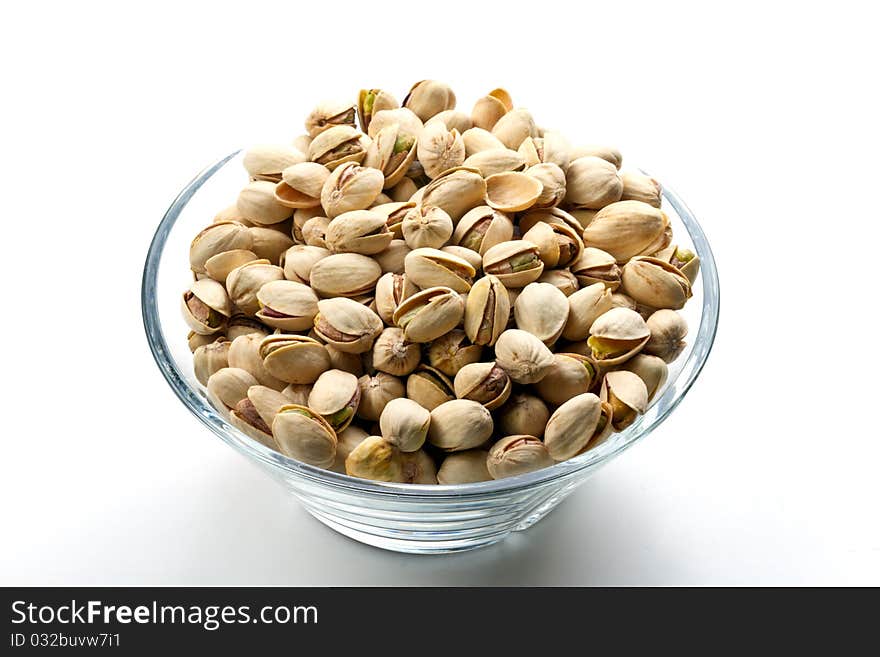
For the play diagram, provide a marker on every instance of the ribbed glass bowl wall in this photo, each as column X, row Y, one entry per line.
column 401, row 517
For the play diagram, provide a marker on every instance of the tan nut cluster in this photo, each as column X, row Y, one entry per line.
column 410, row 292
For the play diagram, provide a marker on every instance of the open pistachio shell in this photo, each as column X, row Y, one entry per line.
column 584, row 307
column 328, row 114
column 409, row 124
column 298, row 260
column 392, row 152
column 287, row 305
column 472, row 257
column 391, row 290
column 240, row 324
column 267, row 161
column 516, row 455
column 570, row 375
column 467, row 467
column 350, row 187
column 515, row 127
column 344, row 274
column 206, row 306
column 639, row 187
column 215, row 239
column 482, row 228
column 376, row 392
column 542, row 310
column 428, row 98
column 371, row 101
column 495, row 160
column 426, row 226
column 552, row 180
column 359, row 231
column 394, row 353
column 337, row 145
column 575, row 425
column 523, row 356
column 627, row 395
column 427, row 267
column 452, row 351
column 607, row 153
column 294, row 358
column 268, row 243
column 304, row 435
column 512, row 191
column 347, row 325
column 617, row 335
column 592, row 182
column 453, row 120
column 301, row 184
column 516, row 263
column 429, row 387
column 551, row 148
column 628, row 228
column 477, row 140
column 561, row 279
column 655, row 283
column 405, row 424
column 245, row 281
column 376, row 459
column 487, row 311
column 257, row 203
column 459, row 424
column 335, row 396
column 485, row 383
column 490, row 108
column 228, row 386
column 456, row 191
column 558, row 244
column 244, row 353
column 439, row 149
column 651, row 370
column 428, row 314
column 597, row 266
column 209, row 358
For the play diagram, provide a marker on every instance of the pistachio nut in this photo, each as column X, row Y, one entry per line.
column 314, row 231
column 552, row 148
column 456, row 191
column 298, row 260
column 294, row 358
column 342, row 360
column 376, row 391
column 429, row 97
column 328, row 114
column 485, row 383
column 244, row 353
column 394, row 354
column 394, row 214
column 267, row 243
column 523, row 356
column 297, row 393
column 426, row 226
column 562, row 279
column 482, row 228
column 393, row 259
column 490, row 108
column 392, row 152
column 417, row 468
column 592, row 182
column 428, row 267
column 266, row 162
column 570, row 375
column 495, row 160
column 405, row 424
column 459, row 424
column 257, row 204
column 391, row 290
column 584, row 307
column 552, row 179
column 358, row 231
column 335, row 396
column 347, row 325
column 371, row 101
column 453, row 120
column 542, row 310
column 428, row 314
column 472, row 257
column 304, row 435
column 668, row 330
column 655, row 283
column 651, row 370
column 403, row 190
column 216, row 239
column 301, row 184
column 409, row 124
column 639, row 187
column 516, row 263
column 300, row 218
column 205, row 306
column 245, row 281
column 523, row 414
column 209, row 358
column 467, row 467
column 350, row 187
column 685, row 260
column 512, row 191
column 287, row 305
column 552, row 216
column 452, row 351
column 606, row 153
column 346, row 441
column 240, row 324
column 516, row 455
column 195, row 340
column 344, row 274
column 429, row 387
column 628, row 228
column 558, row 244
column 487, row 311
column 228, row 386
column 254, row 414
column 617, row 335
column 477, row 140
column 439, row 149
column 580, row 423
column 583, row 216
column 376, row 459
column 597, row 266
column 230, row 213
column 514, row 128
column 627, row 395
column 337, row 145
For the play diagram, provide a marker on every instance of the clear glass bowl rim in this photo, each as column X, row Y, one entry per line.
column 215, row 422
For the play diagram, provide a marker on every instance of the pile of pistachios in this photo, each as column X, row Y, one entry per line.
column 414, row 293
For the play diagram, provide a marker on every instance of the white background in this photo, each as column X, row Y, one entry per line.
column 763, row 116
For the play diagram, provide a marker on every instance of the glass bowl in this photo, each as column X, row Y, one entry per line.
column 400, row 517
